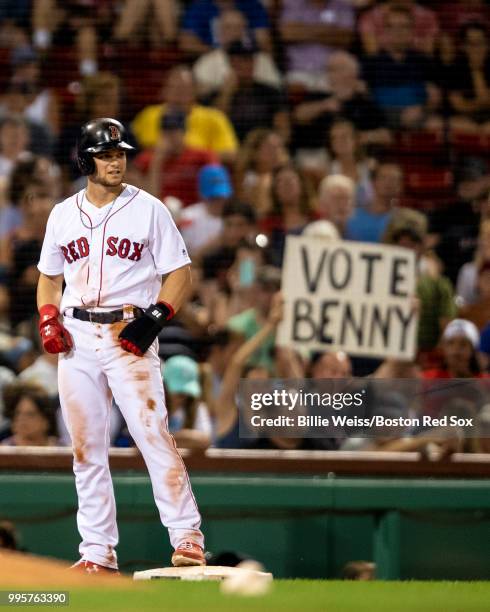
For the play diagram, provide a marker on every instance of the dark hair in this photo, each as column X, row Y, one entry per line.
column 381, row 163
column 358, row 153
column 473, row 364
column 305, row 196
column 21, row 174
column 399, row 9
column 473, row 24
column 406, row 232
column 15, row 392
column 236, row 207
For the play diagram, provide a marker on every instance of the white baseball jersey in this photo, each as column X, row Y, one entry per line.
column 110, row 257
column 114, row 255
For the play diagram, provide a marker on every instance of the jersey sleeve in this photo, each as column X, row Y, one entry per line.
column 51, row 261
column 166, row 244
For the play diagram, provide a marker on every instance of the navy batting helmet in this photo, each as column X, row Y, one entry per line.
column 96, row 136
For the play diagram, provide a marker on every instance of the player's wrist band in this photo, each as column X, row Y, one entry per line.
column 160, row 312
column 48, row 312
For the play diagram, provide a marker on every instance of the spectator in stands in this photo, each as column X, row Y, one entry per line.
column 171, row 167
column 479, row 312
column 469, row 95
column 336, row 200
column 206, row 128
column 436, row 307
column 42, row 105
column 15, row 16
column 82, row 22
column 15, row 101
column 373, row 27
column 402, row 80
column 160, row 15
column 239, row 228
column 369, row 224
column 457, row 227
column 291, row 210
column 347, row 98
column 199, row 32
column 7, row 377
column 453, row 16
column 311, row 31
column 14, row 141
column 250, row 321
column 227, row 416
column 188, row 415
column 330, row 365
column 29, row 166
column 43, row 373
column 202, row 222
column 459, row 345
column 99, row 96
column 31, row 415
column 261, row 153
column 349, row 159
column 212, row 69
column 248, row 103
column 466, row 287
column 238, row 294
column 20, row 251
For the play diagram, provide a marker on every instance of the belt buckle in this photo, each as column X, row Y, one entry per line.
column 90, row 316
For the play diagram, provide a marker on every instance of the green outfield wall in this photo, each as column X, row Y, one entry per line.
column 297, row 526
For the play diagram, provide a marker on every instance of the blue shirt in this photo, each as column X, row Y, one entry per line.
column 398, row 84
column 485, row 340
column 365, row 226
column 201, row 18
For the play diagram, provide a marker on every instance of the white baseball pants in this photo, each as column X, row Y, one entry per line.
column 96, row 369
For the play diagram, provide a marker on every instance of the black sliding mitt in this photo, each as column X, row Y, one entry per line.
column 138, row 335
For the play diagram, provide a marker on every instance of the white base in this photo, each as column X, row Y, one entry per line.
column 196, row 572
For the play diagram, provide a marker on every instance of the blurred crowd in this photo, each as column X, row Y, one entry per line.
column 254, row 120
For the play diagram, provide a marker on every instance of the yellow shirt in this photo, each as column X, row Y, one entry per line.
column 207, row 128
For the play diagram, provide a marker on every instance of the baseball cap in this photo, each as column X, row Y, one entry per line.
column 464, row 328
column 181, row 375
column 214, row 182
column 173, row 120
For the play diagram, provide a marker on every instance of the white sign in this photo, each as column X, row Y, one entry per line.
column 350, row 296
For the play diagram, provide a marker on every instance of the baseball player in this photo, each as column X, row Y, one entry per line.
column 111, row 243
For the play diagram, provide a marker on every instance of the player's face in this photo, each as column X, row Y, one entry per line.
column 110, row 167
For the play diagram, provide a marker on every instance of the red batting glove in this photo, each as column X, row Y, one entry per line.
column 55, row 337
column 130, row 347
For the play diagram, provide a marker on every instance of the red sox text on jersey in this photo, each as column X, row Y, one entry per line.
column 124, row 248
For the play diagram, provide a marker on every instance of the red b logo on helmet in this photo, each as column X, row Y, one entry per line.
column 114, row 133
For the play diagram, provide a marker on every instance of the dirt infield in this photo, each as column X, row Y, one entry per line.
column 21, row 570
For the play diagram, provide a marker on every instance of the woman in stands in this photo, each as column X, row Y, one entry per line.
column 262, row 152
column 31, row 416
